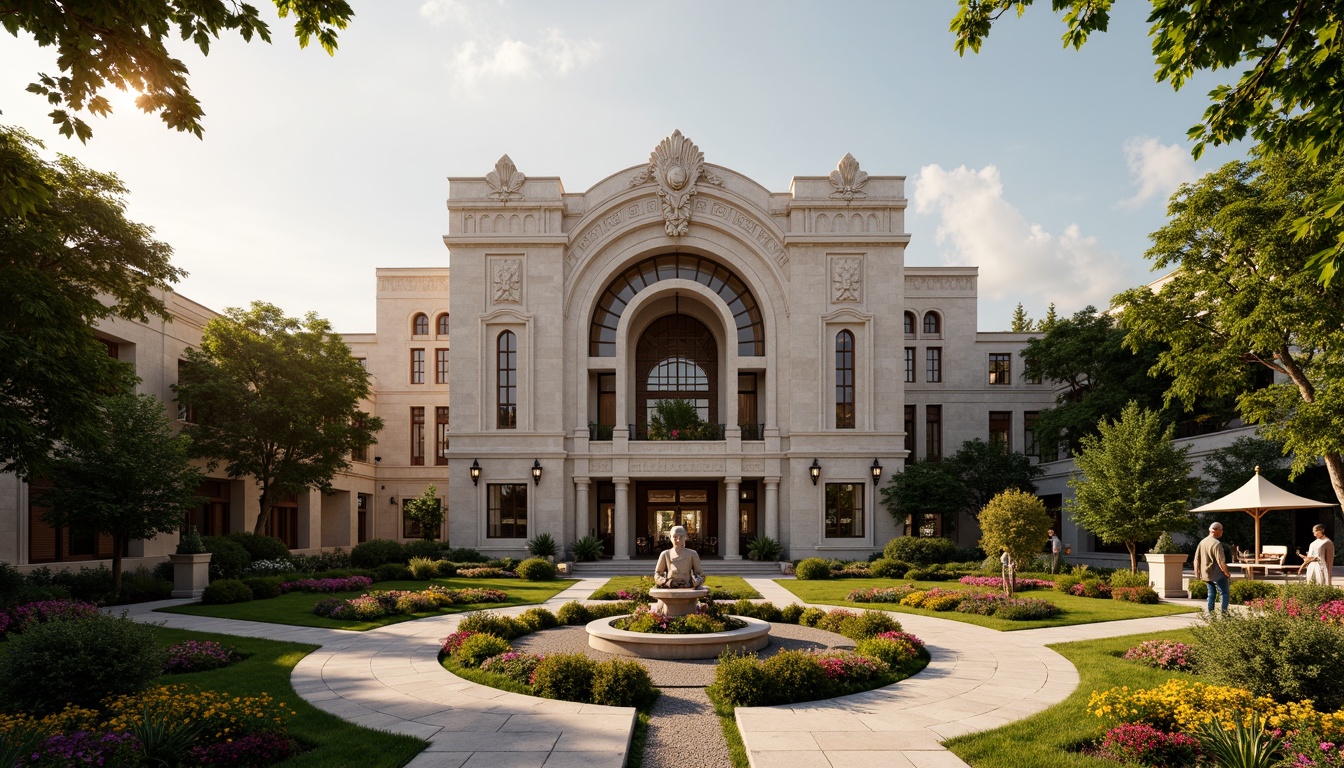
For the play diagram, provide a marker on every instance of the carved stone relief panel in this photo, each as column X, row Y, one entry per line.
column 519, row 222
column 676, row 165
column 599, row 465
column 505, row 180
column 424, row 284
column 848, row 180
column 506, row 280
column 846, row 279
column 930, row 284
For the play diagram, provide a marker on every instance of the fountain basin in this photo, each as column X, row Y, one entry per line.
column 647, row 645
column 677, row 602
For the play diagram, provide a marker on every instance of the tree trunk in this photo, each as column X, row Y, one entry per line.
column 1334, row 466
column 1334, row 463
column 1133, row 547
column 264, row 513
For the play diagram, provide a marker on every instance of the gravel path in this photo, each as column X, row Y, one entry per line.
column 683, row 730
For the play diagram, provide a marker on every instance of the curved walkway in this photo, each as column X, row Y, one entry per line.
column 390, row 679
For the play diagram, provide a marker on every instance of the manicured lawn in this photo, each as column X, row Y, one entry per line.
column 296, row 608
column 1076, row 610
column 1049, row 739
column 736, row 585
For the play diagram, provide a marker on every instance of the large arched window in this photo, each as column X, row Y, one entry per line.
column 684, row 266
column 909, row 325
column 506, row 381
column 844, row 380
column 677, row 359
column 420, row 324
column 442, row 322
column 932, row 324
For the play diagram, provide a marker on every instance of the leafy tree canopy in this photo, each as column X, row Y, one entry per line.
column 124, row 44
column 70, row 259
column 134, row 481
column 1238, row 295
column 964, row 482
column 276, row 399
column 1015, row 521
column 1288, row 96
column 1132, row 483
column 427, row 510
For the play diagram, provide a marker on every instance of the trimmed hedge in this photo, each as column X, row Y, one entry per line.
column 226, row 591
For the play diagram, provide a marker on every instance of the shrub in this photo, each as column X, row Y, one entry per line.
column 446, row 569
column 920, row 551
column 78, row 662
column 621, row 683
column 1272, row 654
column 535, row 569
column 565, row 676
column 1313, row 595
column 28, row 615
column 465, row 555
column 422, row 568
column 763, row 611
column 263, row 587
column 141, row 586
column 543, row 545
column 375, row 552
column 515, row 665
column 261, row 748
column 1145, row 745
column 484, row 572
column 587, row 549
column 226, row 591
column 392, row 572
column 574, row 614
column 792, row 673
column 426, row 548
column 496, row 624
column 1245, row 591
column 896, row 654
column 1026, row 609
column 536, row 619
column 868, row 624
column 321, row 561
column 261, row 546
column 1146, row 595
column 1129, row 579
column 883, row 568
column 269, row 568
column 1162, row 654
column 741, row 681
column 791, row 613
column 416, row 602
column 1199, row 590
column 812, row 568
column 810, row 616
column 328, row 585
column 1065, row 582
column 479, row 647
column 764, row 549
column 228, row 558
column 199, row 656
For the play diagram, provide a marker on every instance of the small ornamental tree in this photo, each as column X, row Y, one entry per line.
column 1015, row 521
column 427, row 511
column 963, row 482
column 1133, row 483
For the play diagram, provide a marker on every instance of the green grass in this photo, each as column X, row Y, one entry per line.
column 1075, row 610
column 1049, row 739
column 723, row 587
column 296, row 608
column 737, row 749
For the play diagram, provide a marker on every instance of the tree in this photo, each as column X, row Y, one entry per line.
column 275, row 399
column 426, row 510
column 1288, row 98
column 1021, row 320
column 69, row 260
column 1015, row 521
column 1051, row 318
column 134, row 482
column 1133, row 484
column 1239, row 296
column 123, row 44
column 964, row 482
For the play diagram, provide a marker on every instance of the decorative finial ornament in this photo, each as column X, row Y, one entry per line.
column 848, row 180
column 1257, row 469
column 676, row 164
column 505, row 180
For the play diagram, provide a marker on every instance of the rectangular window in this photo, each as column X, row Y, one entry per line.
column 1029, row 446
column 211, row 518
column 411, row 529
column 440, row 366
column 933, row 432
column 746, row 407
column 844, row 380
column 506, row 510
column 844, row 510
column 506, row 381
column 184, row 412
column 283, row 523
column 909, row 365
column 417, row 436
column 361, row 453
column 441, row 435
column 1000, row 428
column 417, row 366
column 910, row 431
column 1000, row 368
column 364, row 502
column 933, row 364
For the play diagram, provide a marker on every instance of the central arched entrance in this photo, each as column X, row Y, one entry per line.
column 676, row 358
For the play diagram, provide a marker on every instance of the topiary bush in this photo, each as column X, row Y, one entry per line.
column 790, row 672
column 882, row 568
column 917, row 550
column 226, row 591
column 810, row 616
column 228, row 558
column 621, row 683
column 574, row 614
column 260, row 546
column 812, row 568
column 535, row 569
column 478, row 648
column 1273, row 654
column 536, row 619
column 741, row 681
column 565, row 676
column 867, row 624
column 1199, row 590
column 375, row 552
column 1242, row 591
column 78, row 662
column 790, row 613
column 497, row 624
column 263, row 587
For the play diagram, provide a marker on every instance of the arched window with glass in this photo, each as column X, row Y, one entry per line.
column 506, row 381
column 442, row 323
column 844, row 380
column 933, row 324
column 908, row 324
column 420, row 324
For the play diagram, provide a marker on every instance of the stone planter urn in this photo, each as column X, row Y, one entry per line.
column 1165, row 573
column 191, row 574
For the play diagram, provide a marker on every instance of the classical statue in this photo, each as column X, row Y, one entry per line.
column 678, row 567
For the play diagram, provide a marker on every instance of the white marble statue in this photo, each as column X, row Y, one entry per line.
column 678, row 567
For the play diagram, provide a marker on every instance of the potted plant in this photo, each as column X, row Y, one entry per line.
column 1165, row 563
column 191, row 566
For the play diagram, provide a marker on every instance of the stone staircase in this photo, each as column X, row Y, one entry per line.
column 747, row 569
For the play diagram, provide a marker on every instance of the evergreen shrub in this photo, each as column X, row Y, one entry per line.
column 535, row 569
column 226, row 591
column 622, row 683
column 565, row 676
column 228, row 558
column 478, row 648
column 263, row 587
column 261, row 546
column 79, row 662
column 918, row 551
column 375, row 552
column 812, row 568
column 883, row 568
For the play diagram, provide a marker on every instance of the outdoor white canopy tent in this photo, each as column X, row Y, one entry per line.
column 1257, row 497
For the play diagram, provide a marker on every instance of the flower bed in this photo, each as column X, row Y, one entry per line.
column 1161, row 654
column 375, row 605
column 22, row 617
column 347, row 584
column 996, row 582
column 1181, row 706
column 707, row 619
column 199, row 656
column 486, row 573
column 963, row 601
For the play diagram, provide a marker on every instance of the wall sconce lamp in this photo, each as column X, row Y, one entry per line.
column 876, row 469
column 475, row 472
column 377, row 459
column 392, row 500
column 536, row 472
column 814, row 471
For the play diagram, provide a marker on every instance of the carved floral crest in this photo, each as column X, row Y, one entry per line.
column 508, row 281
column 505, row 180
column 846, row 280
column 848, row 180
column 676, row 164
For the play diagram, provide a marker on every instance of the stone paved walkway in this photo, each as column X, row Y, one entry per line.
column 390, row 679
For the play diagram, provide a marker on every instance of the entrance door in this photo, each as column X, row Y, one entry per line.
column 606, row 516
column 661, row 507
column 746, row 512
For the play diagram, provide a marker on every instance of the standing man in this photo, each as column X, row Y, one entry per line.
column 1211, row 565
column 1056, row 550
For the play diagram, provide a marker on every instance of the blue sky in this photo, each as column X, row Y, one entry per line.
column 1047, row 168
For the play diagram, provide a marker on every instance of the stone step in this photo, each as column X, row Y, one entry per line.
column 744, row 568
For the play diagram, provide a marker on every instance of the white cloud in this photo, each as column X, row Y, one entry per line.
column 488, row 54
column 1158, row 169
column 1018, row 260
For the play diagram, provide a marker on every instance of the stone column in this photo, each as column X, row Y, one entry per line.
column 621, row 550
column 580, row 507
column 772, row 507
column 732, row 518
